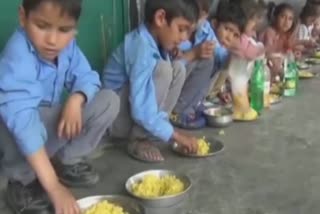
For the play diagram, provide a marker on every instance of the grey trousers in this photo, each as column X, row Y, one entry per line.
column 97, row 117
column 199, row 77
column 168, row 81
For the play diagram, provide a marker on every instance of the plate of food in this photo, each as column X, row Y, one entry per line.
column 306, row 74
column 314, row 61
column 303, row 65
column 159, row 188
column 206, row 148
column 105, row 204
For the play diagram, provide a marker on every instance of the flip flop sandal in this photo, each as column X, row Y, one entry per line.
column 139, row 152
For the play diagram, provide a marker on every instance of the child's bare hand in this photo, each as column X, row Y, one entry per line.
column 187, row 143
column 70, row 124
column 205, row 50
column 63, row 201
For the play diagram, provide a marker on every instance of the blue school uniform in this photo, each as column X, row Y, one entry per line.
column 206, row 33
column 134, row 63
column 28, row 82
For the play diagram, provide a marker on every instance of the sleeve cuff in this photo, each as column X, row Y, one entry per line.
column 165, row 131
column 88, row 90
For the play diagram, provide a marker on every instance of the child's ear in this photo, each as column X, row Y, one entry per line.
column 22, row 16
column 160, row 18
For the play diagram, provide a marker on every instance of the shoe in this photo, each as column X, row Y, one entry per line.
column 77, row 175
column 185, row 121
column 29, row 199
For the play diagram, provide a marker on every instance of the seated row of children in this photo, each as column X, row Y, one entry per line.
column 153, row 87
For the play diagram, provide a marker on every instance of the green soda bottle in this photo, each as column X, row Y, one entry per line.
column 290, row 76
column 257, row 83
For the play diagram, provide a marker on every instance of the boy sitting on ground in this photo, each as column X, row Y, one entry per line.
column 148, row 82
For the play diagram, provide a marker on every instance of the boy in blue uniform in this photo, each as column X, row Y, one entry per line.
column 148, row 82
column 205, row 54
column 39, row 61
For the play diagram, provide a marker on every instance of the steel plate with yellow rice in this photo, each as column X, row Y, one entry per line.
column 206, row 147
column 158, row 188
column 105, row 207
column 305, row 74
column 110, row 204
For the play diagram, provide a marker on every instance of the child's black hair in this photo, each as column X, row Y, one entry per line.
column 274, row 11
column 308, row 11
column 204, row 5
column 229, row 11
column 71, row 7
column 188, row 9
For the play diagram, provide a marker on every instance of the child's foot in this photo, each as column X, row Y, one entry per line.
column 185, row 121
column 29, row 199
column 145, row 151
column 76, row 175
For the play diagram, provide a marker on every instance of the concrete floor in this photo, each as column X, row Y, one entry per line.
column 269, row 167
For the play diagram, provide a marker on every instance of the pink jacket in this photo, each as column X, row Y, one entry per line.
column 276, row 43
column 248, row 48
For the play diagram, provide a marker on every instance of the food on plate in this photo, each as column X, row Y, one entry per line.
column 154, row 186
column 203, row 147
column 306, row 74
column 105, row 207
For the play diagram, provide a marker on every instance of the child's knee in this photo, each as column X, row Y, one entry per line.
column 179, row 71
column 107, row 106
column 206, row 64
column 164, row 72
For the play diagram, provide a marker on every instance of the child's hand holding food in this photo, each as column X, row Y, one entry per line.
column 188, row 144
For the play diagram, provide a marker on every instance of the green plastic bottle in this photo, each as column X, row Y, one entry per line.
column 290, row 76
column 257, row 84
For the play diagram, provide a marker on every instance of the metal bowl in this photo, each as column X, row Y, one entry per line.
column 219, row 117
column 164, row 201
column 128, row 204
column 314, row 61
column 216, row 147
column 303, row 66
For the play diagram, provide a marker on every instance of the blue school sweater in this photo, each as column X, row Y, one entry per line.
column 27, row 82
column 134, row 63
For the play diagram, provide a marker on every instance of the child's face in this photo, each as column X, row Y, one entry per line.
column 285, row 21
column 49, row 29
column 317, row 23
column 228, row 34
column 170, row 35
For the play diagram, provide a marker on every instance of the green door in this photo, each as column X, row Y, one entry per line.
column 102, row 27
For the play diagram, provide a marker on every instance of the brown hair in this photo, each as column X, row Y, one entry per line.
column 204, row 5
